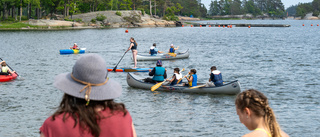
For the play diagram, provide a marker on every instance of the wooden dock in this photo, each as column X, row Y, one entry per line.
column 239, row 25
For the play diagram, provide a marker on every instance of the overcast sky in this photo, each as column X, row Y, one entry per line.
column 286, row 3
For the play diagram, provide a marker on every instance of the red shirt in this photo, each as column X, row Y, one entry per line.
column 75, row 47
column 115, row 126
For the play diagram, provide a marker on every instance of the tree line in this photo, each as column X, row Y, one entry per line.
column 302, row 9
column 273, row 8
column 26, row 9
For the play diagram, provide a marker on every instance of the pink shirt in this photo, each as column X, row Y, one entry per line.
column 115, row 126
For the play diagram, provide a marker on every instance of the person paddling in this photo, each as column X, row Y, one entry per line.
column 159, row 73
column 75, row 46
column 5, row 70
column 192, row 79
column 176, row 76
column 173, row 49
column 215, row 78
column 133, row 47
column 154, row 50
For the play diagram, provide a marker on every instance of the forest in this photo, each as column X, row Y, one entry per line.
column 17, row 10
column 301, row 9
column 273, row 8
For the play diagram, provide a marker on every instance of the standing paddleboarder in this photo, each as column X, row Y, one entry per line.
column 133, row 46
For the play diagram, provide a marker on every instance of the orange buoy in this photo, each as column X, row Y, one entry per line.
column 182, row 26
column 191, row 25
column 317, row 24
column 200, row 25
column 311, row 24
column 219, row 26
column 302, row 24
column 127, row 31
column 249, row 26
column 230, row 26
column 223, row 26
column 209, row 25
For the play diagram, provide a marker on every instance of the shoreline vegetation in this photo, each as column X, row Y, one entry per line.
column 114, row 19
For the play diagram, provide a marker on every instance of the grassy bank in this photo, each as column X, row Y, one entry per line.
column 14, row 25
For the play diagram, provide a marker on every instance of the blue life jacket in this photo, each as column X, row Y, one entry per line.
column 194, row 80
column 153, row 52
column 171, row 50
column 158, row 74
column 217, row 78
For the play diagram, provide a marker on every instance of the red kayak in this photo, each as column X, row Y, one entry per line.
column 5, row 78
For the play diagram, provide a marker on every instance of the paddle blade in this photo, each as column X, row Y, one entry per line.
column 156, row 86
column 197, row 86
column 172, row 54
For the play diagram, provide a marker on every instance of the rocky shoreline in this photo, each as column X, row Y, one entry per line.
column 127, row 19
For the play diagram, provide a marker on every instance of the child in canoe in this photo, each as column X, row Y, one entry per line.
column 75, row 46
column 192, row 79
column 172, row 49
column 175, row 78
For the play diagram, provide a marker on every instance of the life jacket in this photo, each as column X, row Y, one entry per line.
column 217, row 79
column 4, row 69
column 153, row 51
column 171, row 50
column 75, row 47
column 194, row 80
column 158, row 74
column 178, row 76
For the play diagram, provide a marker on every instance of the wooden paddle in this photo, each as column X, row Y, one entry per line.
column 182, row 78
column 197, row 86
column 10, row 67
column 156, row 86
column 172, row 54
column 114, row 69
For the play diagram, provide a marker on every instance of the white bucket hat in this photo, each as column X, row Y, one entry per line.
column 89, row 80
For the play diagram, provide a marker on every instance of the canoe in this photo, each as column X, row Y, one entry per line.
column 179, row 55
column 72, row 51
column 130, row 69
column 5, row 78
column 230, row 88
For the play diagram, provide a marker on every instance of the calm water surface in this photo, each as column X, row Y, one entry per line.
column 283, row 63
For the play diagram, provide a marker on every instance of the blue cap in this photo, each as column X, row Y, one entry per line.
column 159, row 63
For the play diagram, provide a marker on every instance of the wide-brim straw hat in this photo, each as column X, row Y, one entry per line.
column 90, row 76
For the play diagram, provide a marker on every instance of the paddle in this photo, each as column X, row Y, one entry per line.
column 172, row 54
column 182, row 78
column 114, row 69
column 197, row 86
column 10, row 67
column 156, row 86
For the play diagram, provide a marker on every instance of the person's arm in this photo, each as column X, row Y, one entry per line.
column 151, row 73
column 42, row 135
column 134, row 131
column 189, row 79
column 173, row 78
column 211, row 77
column 129, row 47
column 160, row 52
column 176, row 48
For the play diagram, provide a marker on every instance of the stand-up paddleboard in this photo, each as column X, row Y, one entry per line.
column 130, row 69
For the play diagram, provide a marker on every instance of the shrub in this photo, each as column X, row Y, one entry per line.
column 100, row 17
column 118, row 13
column 78, row 20
column 94, row 21
column 142, row 11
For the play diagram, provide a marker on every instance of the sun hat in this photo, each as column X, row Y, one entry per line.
column 159, row 62
column 89, row 80
column 171, row 45
column 75, row 43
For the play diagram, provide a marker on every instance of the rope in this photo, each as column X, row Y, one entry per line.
column 88, row 87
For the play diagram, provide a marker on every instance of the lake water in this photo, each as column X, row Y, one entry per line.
column 283, row 63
